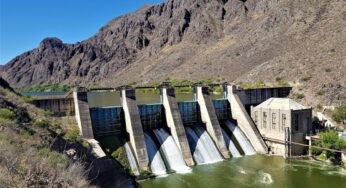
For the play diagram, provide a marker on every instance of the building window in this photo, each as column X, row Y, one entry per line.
column 273, row 120
column 256, row 117
column 283, row 121
column 264, row 119
column 296, row 122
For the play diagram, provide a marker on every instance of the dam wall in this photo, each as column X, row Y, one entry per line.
column 59, row 106
column 131, row 121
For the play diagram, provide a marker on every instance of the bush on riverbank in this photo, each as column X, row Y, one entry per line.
column 339, row 114
column 329, row 140
column 6, row 113
column 120, row 155
column 72, row 134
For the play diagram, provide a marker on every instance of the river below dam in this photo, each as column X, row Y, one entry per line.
column 255, row 171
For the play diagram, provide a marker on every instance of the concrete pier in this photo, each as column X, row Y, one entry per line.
column 175, row 123
column 245, row 122
column 82, row 113
column 134, row 126
column 209, row 117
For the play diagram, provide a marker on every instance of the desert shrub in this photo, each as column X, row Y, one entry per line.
column 217, row 89
column 48, row 113
column 41, row 123
column 148, row 90
column 154, row 84
column 319, row 106
column 56, row 159
column 176, row 82
column 120, row 155
column 339, row 114
column 28, row 99
column 132, row 83
column 73, row 134
column 47, row 88
column 307, row 78
column 5, row 121
column 206, row 81
column 259, row 84
column 27, row 133
column 6, row 114
column 299, row 95
column 281, row 82
column 184, row 90
column 278, row 79
column 321, row 92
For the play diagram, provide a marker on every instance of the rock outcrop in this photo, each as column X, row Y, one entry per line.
column 226, row 40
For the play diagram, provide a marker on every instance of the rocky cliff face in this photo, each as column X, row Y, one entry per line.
column 228, row 40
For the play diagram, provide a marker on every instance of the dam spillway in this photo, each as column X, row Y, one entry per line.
column 169, row 136
column 241, row 138
column 171, row 152
column 156, row 162
column 132, row 160
column 230, row 144
column 203, row 149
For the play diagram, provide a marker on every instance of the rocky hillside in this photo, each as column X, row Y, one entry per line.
column 301, row 42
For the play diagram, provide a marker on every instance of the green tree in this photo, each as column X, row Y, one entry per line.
column 331, row 140
column 339, row 114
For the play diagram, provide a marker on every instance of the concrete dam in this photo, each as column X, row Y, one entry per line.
column 171, row 135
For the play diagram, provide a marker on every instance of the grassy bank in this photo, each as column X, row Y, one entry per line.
column 27, row 159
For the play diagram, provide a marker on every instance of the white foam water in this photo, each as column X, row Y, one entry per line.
column 157, row 165
column 171, row 152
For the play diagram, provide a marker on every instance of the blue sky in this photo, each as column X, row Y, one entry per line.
column 24, row 23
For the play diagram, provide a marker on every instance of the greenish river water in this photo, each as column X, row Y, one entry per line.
column 256, row 171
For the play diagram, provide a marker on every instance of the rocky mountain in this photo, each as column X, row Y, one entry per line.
column 302, row 42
